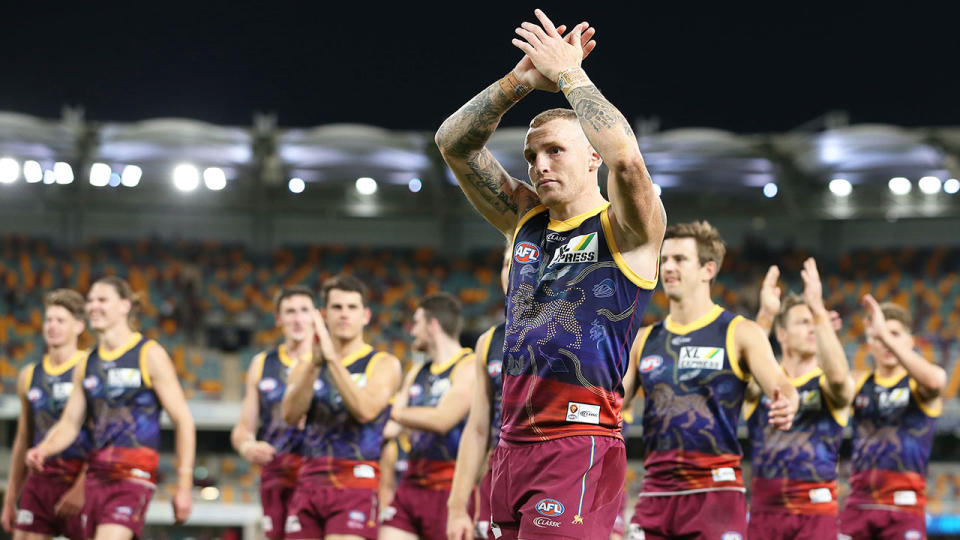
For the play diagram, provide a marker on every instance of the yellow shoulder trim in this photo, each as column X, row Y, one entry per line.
column 29, row 374
column 641, row 341
column 437, row 369
column 144, row 372
column 732, row 347
column 806, row 377
column 750, row 407
column 258, row 362
column 564, row 225
column 682, row 329
column 840, row 415
column 110, row 356
column 641, row 282
column 485, row 353
column 464, row 358
column 525, row 218
column 932, row 408
column 358, row 354
column 860, row 382
column 372, row 364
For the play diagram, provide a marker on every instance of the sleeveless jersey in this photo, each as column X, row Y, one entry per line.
column 693, row 389
column 123, row 412
column 796, row 470
column 433, row 456
column 493, row 353
column 573, row 310
column 274, row 367
column 338, row 450
column 50, row 386
column 892, row 437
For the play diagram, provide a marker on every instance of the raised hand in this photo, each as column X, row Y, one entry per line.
column 770, row 293
column 549, row 51
column 323, row 348
column 813, row 288
column 531, row 77
column 781, row 411
column 875, row 321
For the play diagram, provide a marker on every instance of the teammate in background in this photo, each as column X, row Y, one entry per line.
column 465, row 518
column 694, row 367
column 125, row 381
column 344, row 392
column 275, row 446
column 894, row 410
column 433, row 405
column 582, row 272
column 50, row 501
column 794, row 492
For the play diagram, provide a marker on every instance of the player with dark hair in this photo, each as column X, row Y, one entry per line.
column 126, row 381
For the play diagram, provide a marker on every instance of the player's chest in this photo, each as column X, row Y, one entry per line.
column 881, row 403
column 114, row 381
column 428, row 388
column 673, row 359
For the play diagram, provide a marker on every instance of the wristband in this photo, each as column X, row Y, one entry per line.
column 574, row 77
column 511, row 86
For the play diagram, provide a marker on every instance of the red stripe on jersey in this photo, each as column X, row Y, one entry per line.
column 430, row 474
column 556, row 409
column 905, row 490
column 794, row 497
column 678, row 470
column 341, row 473
column 122, row 463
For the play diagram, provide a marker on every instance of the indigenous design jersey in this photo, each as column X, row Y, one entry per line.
column 693, row 390
column 338, row 450
column 573, row 309
column 494, row 356
column 892, row 436
column 796, row 470
column 274, row 366
column 433, row 456
column 123, row 412
column 50, row 386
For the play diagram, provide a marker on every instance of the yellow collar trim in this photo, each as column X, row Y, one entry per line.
column 574, row 222
column 888, row 382
column 681, row 329
column 64, row 367
column 805, row 378
column 110, row 356
column 358, row 354
column 437, row 369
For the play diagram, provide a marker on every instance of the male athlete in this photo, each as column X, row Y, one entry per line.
column 433, row 405
column 468, row 509
column 794, row 493
column 582, row 272
column 126, row 380
column 894, row 410
column 344, row 392
column 276, row 446
column 694, row 367
column 50, row 501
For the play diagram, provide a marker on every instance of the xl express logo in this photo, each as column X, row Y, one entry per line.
column 580, row 249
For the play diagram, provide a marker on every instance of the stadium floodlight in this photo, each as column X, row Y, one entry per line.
column 415, row 185
column 951, row 186
column 210, row 493
column 366, row 185
column 131, row 176
column 770, row 190
column 9, row 170
column 214, row 178
column 296, row 185
column 49, row 177
column 899, row 185
column 186, row 177
column 32, row 171
column 929, row 185
column 657, row 189
column 100, row 174
column 63, row 172
column 841, row 187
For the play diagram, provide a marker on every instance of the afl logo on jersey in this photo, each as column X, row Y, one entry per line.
column 91, row 382
column 494, row 368
column 34, row 394
column 525, row 253
column 416, row 390
column 550, row 507
column 650, row 363
column 268, row 385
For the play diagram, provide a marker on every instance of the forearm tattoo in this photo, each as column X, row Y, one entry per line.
column 598, row 113
column 487, row 177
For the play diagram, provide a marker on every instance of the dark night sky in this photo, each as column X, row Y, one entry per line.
column 768, row 67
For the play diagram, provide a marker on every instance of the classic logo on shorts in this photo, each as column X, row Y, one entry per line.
column 580, row 249
column 650, row 363
column 526, row 252
column 550, row 507
column 24, row 517
column 292, row 525
column 701, row 358
column 34, row 394
column 545, row 522
column 267, row 385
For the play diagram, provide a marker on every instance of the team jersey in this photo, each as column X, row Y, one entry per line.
column 433, row 456
column 50, row 386
column 573, row 310
column 796, row 470
column 338, row 450
column 123, row 412
column 892, row 437
column 274, row 366
column 693, row 389
column 493, row 353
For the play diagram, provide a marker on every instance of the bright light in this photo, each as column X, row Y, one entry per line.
column 366, row 185
column 131, row 176
column 32, row 171
column 929, row 185
column 99, row 174
column 951, row 186
column 214, row 178
column 770, row 190
column 840, row 187
column 657, row 189
column 9, row 170
column 296, row 185
column 209, row 493
column 899, row 185
column 415, row 185
column 49, row 177
column 115, row 180
column 186, row 177
column 63, row 172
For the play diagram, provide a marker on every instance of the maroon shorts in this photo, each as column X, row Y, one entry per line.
column 563, row 488
column 720, row 515
column 116, row 502
column 773, row 525
column 479, row 507
column 317, row 511
column 38, row 498
column 620, row 524
column 419, row 511
column 275, row 501
column 879, row 523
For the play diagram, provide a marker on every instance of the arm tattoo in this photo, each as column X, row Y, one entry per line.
column 487, row 177
column 596, row 111
column 470, row 127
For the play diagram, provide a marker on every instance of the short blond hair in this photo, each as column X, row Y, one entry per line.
column 896, row 312
column 553, row 114
column 710, row 247
column 791, row 301
column 68, row 299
